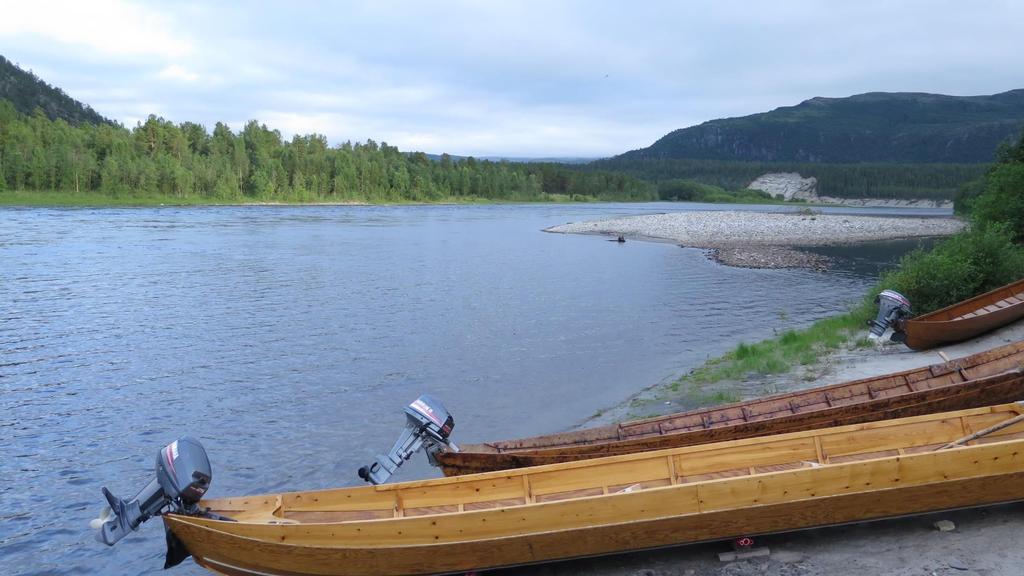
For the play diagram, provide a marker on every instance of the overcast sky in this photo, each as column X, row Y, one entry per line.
column 503, row 78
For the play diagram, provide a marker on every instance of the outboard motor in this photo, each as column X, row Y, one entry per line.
column 183, row 476
column 428, row 425
column 893, row 307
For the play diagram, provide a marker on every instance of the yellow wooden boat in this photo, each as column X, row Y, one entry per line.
column 629, row 502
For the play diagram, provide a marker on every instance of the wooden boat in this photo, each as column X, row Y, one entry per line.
column 963, row 320
column 976, row 380
column 607, row 505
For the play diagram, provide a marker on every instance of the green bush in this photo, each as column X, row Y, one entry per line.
column 690, row 191
column 968, row 264
column 1003, row 199
column 967, row 194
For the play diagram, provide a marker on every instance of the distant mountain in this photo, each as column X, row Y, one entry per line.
column 903, row 127
column 27, row 92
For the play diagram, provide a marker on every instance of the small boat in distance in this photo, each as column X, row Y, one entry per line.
column 981, row 379
column 963, row 320
column 637, row 501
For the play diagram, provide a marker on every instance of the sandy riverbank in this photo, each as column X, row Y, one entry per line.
column 763, row 240
column 986, row 540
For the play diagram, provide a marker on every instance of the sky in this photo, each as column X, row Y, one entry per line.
column 553, row 78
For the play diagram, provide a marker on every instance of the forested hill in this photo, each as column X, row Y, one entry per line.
column 27, row 92
column 875, row 127
column 159, row 160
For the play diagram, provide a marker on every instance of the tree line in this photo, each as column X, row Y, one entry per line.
column 160, row 158
column 886, row 181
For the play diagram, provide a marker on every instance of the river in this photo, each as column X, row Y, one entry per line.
column 289, row 339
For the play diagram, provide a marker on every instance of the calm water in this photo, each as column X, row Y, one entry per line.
column 289, row 339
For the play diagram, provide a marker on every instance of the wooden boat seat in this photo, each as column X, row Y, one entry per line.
column 1005, row 302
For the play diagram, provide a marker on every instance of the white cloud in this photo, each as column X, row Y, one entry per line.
column 111, row 28
column 535, row 78
column 177, row 72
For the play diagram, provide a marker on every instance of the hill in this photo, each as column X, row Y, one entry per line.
column 879, row 127
column 27, row 92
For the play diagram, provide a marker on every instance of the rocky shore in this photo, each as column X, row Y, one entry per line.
column 763, row 240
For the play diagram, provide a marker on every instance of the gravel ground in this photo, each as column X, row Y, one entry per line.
column 756, row 239
column 986, row 542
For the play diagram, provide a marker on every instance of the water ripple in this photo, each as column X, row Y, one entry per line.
column 289, row 339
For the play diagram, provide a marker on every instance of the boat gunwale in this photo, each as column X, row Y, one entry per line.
column 970, row 304
column 211, row 524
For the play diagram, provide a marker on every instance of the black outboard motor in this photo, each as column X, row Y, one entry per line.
column 428, row 425
column 893, row 307
column 183, row 476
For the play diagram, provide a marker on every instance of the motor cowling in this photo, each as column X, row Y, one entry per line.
column 183, row 476
column 893, row 308
column 428, row 425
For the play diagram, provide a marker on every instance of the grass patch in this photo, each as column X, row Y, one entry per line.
column 779, row 354
column 699, row 398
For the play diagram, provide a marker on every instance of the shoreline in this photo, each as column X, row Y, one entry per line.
column 841, row 365
column 761, row 239
column 982, row 543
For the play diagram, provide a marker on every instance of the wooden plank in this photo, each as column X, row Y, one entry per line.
column 818, row 452
column 637, row 470
column 759, row 454
column 462, row 492
column 527, row 491
column 889, row 438
column 362, row 498
column 488, row 504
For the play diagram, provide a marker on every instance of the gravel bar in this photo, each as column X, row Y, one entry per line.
column 754, row 239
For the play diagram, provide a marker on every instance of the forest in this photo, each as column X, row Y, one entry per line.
column 184, row 163
column 867, row 180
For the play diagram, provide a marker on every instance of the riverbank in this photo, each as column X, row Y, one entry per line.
column 763, row 240
column 985, row 541
column 63, row 199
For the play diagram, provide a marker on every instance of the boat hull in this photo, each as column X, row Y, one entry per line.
column 727, row 508
column 965, row 320
column 983, row 379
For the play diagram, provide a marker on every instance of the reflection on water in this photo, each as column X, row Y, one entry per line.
column 288, row 339
column 871, row 259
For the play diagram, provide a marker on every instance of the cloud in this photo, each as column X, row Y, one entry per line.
column 531, row 78
column 178, row 73
column 109, row 28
